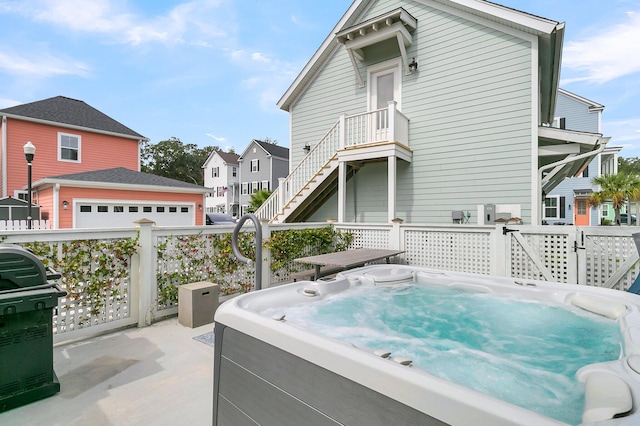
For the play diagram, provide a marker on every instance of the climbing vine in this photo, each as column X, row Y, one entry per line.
column 292, row 243
column 191, row 258
column 94, row 273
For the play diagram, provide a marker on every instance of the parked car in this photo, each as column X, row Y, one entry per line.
column 220, row 219
column 623, row 219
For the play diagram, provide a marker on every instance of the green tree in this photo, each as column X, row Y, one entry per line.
column 257, row 199
column 617, row 189
column 629, row 166
column 174, row 159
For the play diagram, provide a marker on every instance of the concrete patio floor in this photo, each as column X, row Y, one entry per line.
column 157, row 375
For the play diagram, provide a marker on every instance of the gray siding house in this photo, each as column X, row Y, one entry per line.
column 261, row 165
column 419, row 109
column 568, row 203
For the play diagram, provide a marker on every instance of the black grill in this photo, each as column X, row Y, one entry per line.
column 28, row 295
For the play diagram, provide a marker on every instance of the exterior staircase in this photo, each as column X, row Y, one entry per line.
column 365, row 133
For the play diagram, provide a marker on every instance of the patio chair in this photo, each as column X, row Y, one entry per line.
column 457, row 216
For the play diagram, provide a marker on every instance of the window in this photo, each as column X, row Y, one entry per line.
column 103, row 209
column 118, row 209
column 245, row 188
column 184, row 209
column 160, row 209
column 265, row 185
column 585, row 172
column 146, row 209
column 254, row 187
column 234, row 171
column 559, row 123
column 551, row 207
column 133, row 209
column 605, row 210
column 255, row 165
column 215, row 172
column 68, row 147
column 173, row 210
column 85, row 209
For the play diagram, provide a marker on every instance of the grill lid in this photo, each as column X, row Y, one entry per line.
column 19, row 268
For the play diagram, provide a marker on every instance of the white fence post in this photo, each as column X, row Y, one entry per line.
column 500, row 252
column 266, row 255
column 342, row 142
column 573, row 259
column 394, row 234
column 581, row 259
column 147, row 272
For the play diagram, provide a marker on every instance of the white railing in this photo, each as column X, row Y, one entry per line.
column 383, row 125
column 11, row 225
column 600, row 256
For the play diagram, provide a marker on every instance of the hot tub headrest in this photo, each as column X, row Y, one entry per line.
column 598, row 305
column 606, row 395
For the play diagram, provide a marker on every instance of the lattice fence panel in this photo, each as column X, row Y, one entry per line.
column 186, row 259
column 605, row 255
column 96, row 274
column 453, row 251
column 552, row 250
column 368, row 238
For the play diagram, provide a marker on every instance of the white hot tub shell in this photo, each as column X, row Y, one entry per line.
column 269, row 372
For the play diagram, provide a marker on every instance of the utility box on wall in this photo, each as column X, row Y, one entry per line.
column 489, row 214
column 197, row 303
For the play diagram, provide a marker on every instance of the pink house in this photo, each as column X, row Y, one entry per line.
column 86, row 169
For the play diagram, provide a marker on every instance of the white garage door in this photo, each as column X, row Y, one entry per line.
column 108, row 214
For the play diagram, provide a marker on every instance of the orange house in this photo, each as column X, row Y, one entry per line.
column 87, row 162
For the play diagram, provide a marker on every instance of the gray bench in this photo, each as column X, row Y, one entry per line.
column 309, row 274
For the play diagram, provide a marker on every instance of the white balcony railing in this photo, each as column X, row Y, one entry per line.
column 359, row 130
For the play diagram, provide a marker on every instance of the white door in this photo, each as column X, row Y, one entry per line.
column 384, row 87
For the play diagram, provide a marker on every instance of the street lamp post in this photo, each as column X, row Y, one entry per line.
column 29, row 152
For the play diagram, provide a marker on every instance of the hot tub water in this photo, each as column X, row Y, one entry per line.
column 523, row 352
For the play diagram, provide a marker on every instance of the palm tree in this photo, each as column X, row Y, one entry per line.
column 257, row 198
column 618, row 189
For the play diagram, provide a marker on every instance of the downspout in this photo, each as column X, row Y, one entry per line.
column 601, row 147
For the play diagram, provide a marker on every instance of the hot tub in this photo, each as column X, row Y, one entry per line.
column 269, row 370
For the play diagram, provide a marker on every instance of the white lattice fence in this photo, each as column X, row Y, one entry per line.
column 606, row 254
column 554, row 252
column 449, row 250
column 370, row 237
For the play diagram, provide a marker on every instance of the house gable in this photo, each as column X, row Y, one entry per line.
column 470, row 106
column 70, row 137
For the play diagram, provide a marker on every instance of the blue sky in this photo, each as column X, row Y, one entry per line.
column 211, row 71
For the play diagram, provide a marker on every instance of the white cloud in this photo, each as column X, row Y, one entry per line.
column 216, row 138
column 191, row 22
column 259, row 57
column 607, row 55
column 40, row 64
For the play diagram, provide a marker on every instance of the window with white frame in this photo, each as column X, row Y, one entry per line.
column 605, row 210
column 234, row 171
column 551, row 207
column 255, row 165
column 69, row 147
column 265, row 185
column 245, row 188
column 215, row 172
column 254, row 187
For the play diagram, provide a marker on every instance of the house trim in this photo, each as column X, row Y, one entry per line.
column 47, row 182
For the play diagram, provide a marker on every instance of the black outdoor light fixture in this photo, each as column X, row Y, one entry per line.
column 307, row 148
column 413, row 66
column 29, row 152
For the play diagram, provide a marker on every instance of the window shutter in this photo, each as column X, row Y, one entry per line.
column 562, row 205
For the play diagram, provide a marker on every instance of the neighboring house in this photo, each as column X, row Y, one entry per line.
column 86, row 160
column 262, row 164
column 418, row 109
column 222, row 177
column 568, row 203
